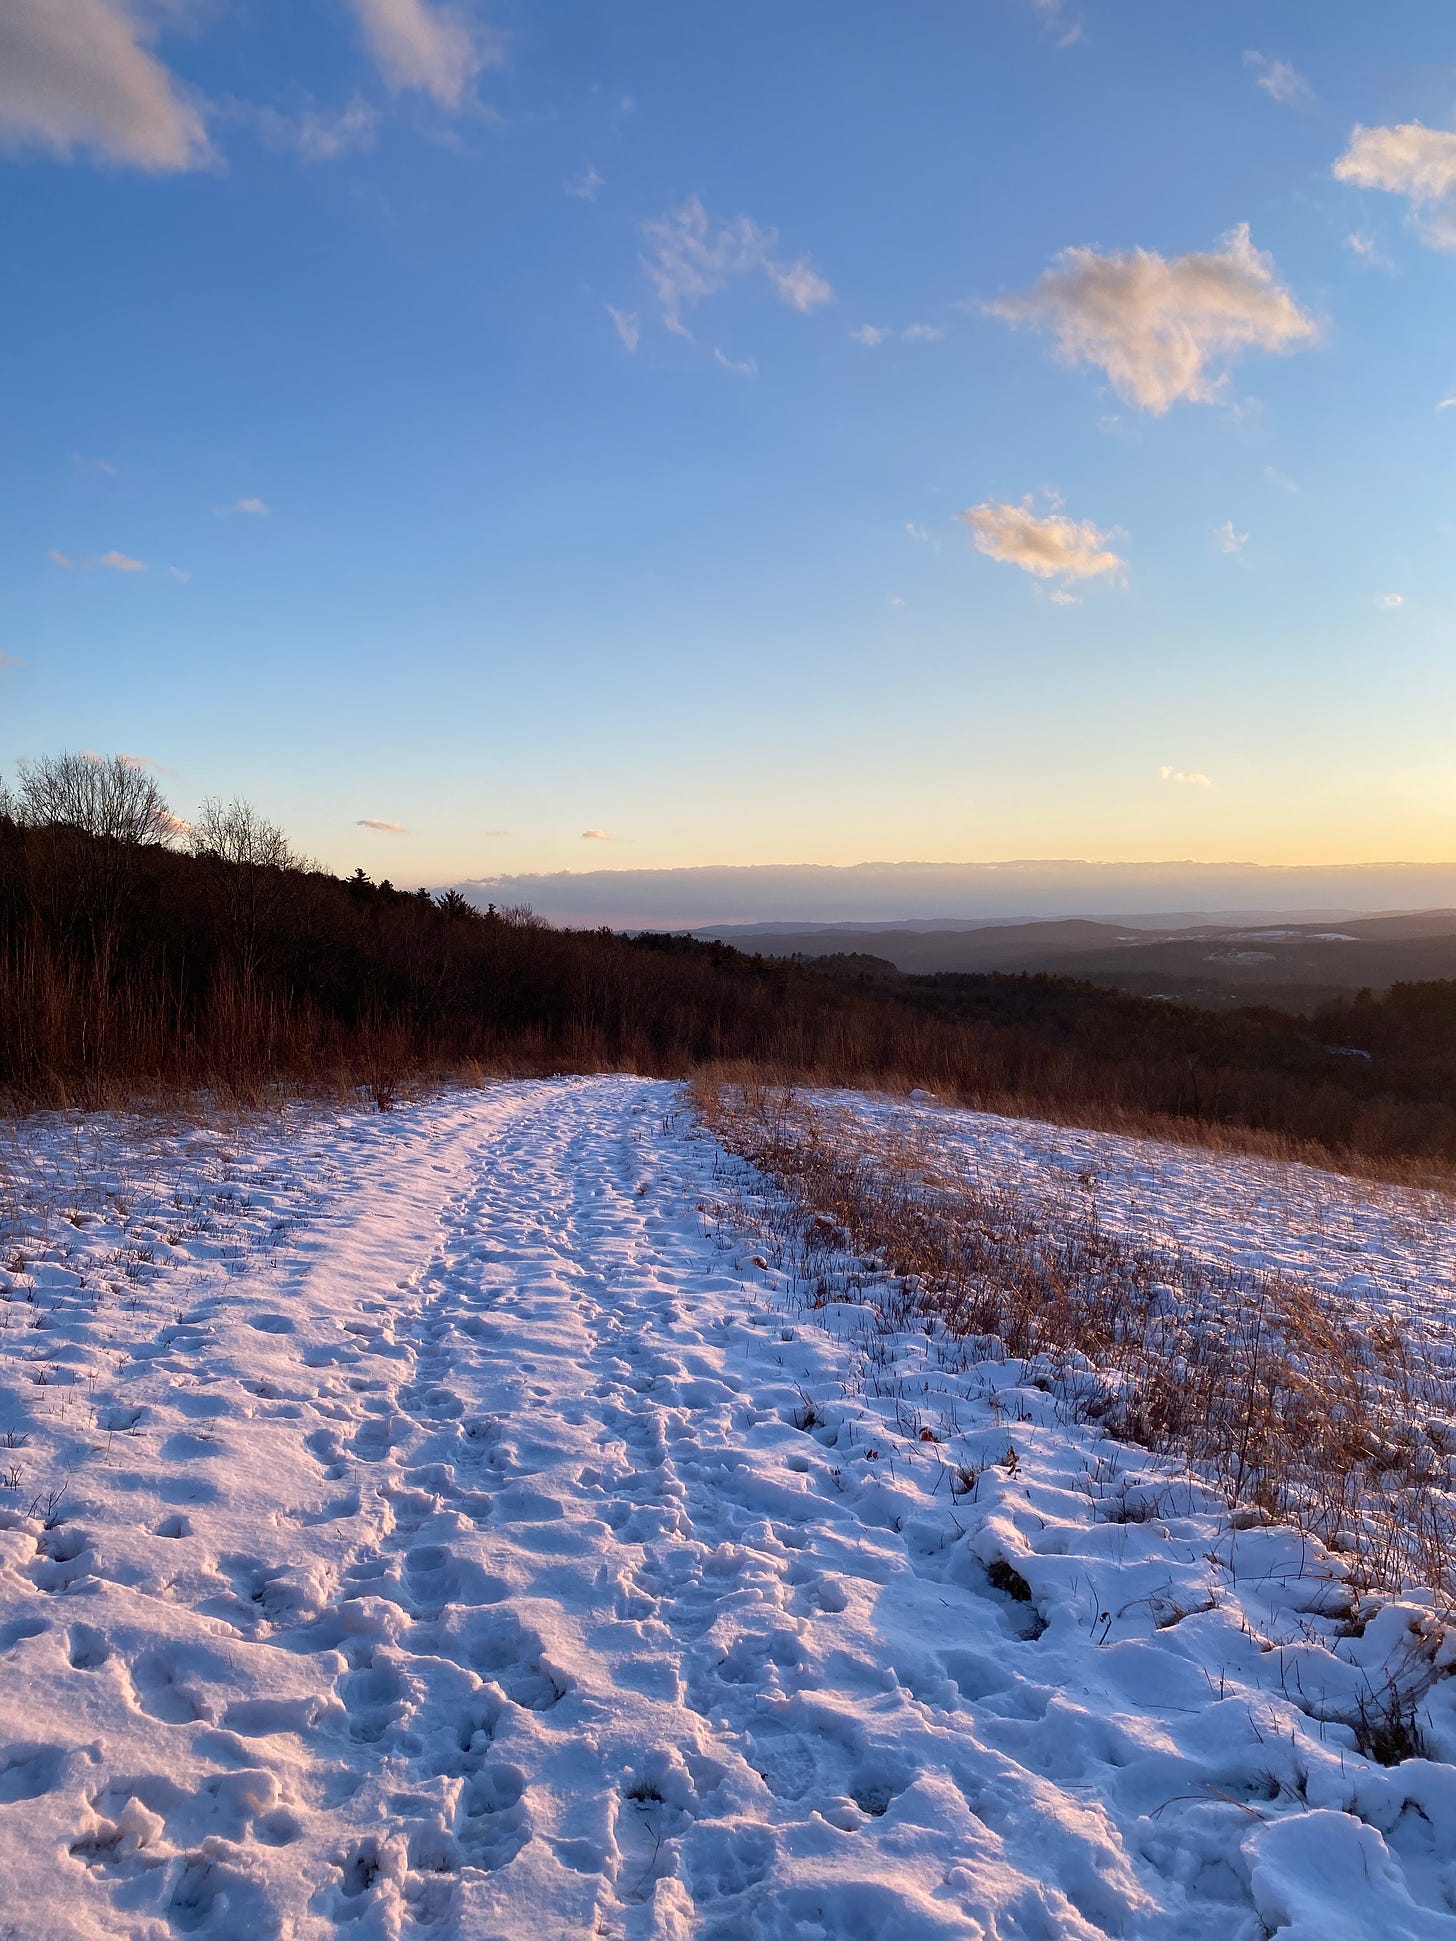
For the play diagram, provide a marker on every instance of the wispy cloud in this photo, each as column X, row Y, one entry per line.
column 1280, row 480
column 1227, row 540
column 872, row 335
column 918, row 533
column 380, row 827
column 1389, row 601
column 252, row 508
column 318, row 134
column 740, row 366
column 1049, row 546
column 80, row 74
column 110, row 562
column 585, row 187
column 1159, row 326
column 628, row 326
column 1065, row 28
column 1367, row 250
column 1060, row 597
column 595, row 835
column 1413, row 161
column 689, row 258
column 1185, row 778
column 437, row 50
column 179, row 573
column 1280, row 81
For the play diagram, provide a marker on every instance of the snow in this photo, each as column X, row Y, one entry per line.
column 440, row 1523
column 1394, row 1247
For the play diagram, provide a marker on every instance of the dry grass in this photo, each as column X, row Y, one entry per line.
column 1424, row 1173
column 1296, row 1404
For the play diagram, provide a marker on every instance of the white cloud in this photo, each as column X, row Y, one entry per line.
column 1046, row 546
column 869, row 335
column 417, row 45
column 689, row 259
column 1446, row 403
column 917, row 533
column 1227, row 540
column 178, row 573
column 1191, row 779
column 1278, row 79
column 1157, row 325
column 1389, row 601
column 381, row 828
column 740, row 367
column 254, row 508
column 79, row 74
column 800, row 286
column 922, row 333
column 1410, row 160
column 320, row 134
column 896, row 600
column 113, row 562
column 628, row 327
column 1059, row 597
column 595, row 835
column 1280, row 480
column 585, row 187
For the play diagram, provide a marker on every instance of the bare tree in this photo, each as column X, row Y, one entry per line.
column 235, row 832
column 114, row 798
column 255, row 854
column 98, row 812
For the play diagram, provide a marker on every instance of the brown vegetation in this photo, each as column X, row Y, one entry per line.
column 143, row 958
column 1295, row 1404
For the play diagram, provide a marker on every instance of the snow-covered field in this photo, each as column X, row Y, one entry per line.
column 437, row 1523
column 1391, row 1246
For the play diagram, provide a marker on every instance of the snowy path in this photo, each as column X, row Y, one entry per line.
column 468, row 1562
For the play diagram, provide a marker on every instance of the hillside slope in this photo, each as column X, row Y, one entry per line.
column 439, row 1522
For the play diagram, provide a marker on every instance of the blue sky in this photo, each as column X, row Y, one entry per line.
column 686, row 423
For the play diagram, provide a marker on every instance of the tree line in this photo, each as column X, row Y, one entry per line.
column 141, row 955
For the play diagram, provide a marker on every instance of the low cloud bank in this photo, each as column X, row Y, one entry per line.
column 672, row 899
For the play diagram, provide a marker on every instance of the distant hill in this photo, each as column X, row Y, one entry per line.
column 1293, row 965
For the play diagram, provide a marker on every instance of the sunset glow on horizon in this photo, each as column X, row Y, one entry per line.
column 503, row 442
